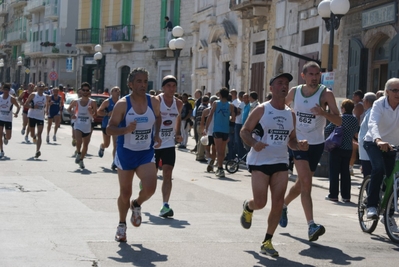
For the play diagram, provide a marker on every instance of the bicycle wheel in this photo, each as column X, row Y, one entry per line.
column 367, row 225
column 391, row 219
column 231, row 166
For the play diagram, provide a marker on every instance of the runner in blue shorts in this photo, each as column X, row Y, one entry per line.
column 54, row 108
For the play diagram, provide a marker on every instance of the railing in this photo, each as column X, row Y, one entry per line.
column 246, row 3
column 16, row 36
column 35, row 4
column 157, row 42
column 88, row 36
column 51, row 11
column 59, row 48
column 119, row 33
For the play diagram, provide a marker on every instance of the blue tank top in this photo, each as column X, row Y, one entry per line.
column 221, row 117
column 55, row 105
column 110, row 107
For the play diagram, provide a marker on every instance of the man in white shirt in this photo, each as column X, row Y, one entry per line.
column 239, row 146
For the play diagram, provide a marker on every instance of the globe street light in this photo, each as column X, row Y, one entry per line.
column 1, row 68
column 97, row 57
column 177, row 44
column 331, row 11
column 19, row 64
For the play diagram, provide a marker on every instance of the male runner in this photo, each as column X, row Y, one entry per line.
column 22, row 100
column 309, row 102
column 54, row 109
column 136, row 120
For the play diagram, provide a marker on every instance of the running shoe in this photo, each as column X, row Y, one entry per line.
column 27, row 139
column 73, row 142
column 219, row 173
column 391, row 223
column 1, row 154
column 210, row 166
column 81, row 164
column 77, row 159
column 166, row 211
column 55, row 138
column 23, row 131
column 246, row 216
column 372, row 213
column 5, row 139
column 101, row 152
column 284, row 218
column 268, row 249
column 113, row 167
column 120, row 235
column 34, row 139
column 333, row 199
column 48, row 139
column 136, row 215
column 38, row 154
column 315, row 230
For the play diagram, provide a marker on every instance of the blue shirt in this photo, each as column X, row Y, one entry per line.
column 110, row 107
column 221, row 117
column 245, row 113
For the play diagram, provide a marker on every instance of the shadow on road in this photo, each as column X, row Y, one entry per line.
column 138, row 255
column 318, row 251
column 108, row 170
column 84, row 171
column 221, row 178
column 35, row 159
column 172, row 222
column 279, row 261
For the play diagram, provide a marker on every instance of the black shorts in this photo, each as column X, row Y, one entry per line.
column 167, row 155
column 25, row 112
column 224, row 136
column 210, row 140
column 34, row 122
column 6, row 124
column 84, row 134
column 313, row 155
column 269, row 169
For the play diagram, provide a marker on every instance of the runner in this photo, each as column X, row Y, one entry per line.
column 309, row 102
column 6, row 104
column 85, row 111
column 54, row 109
column 106, row 110
column 22, row 100
column 170, row 108
column 36, row 103
column 133, row 120
column 268, row 130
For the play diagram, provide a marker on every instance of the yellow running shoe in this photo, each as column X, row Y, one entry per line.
column 268, row 249
column 246, row 216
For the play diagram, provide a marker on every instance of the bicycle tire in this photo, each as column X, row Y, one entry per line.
column 391, row 220
column 231, row 166
column 367, row 225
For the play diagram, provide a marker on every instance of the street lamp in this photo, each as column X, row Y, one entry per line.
column 1, row 67
column 19, row 64
column 332, row 12
column 177, row 44
column 97, row 57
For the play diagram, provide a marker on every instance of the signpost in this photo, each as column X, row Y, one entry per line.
column 53, row 76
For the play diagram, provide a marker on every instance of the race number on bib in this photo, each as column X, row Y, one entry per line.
column 83, row 119
column 277, row 137
column 166, row 134
column 305, row 119
column 140, row 137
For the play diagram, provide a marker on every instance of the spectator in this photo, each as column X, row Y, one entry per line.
column 169, row 28
column 253, row 99
column 185, row 120
column 379, row 93
column 198, row 115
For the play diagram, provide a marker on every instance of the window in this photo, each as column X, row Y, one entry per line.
column 310, row 36
column 259, row 47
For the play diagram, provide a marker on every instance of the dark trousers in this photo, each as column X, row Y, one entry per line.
column 366, row 168
column 239, row 146
column 230, row 144
column 339, row 164
column 381, row 163
column 195, row 134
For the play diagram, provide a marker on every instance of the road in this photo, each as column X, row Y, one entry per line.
column 54, row 214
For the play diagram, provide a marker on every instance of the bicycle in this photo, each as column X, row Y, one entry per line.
column 388, row 205
column 232, row 165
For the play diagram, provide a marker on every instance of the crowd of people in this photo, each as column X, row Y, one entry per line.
column 146, row 129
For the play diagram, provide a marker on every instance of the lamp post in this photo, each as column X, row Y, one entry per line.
column 1, row 68
column 331, row 11
column 97, row 57
column 177, row 44
column 19, row 64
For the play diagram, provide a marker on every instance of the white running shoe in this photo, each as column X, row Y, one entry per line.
column 23, row 131
column 27, row 139
column 48, row 139
column 54, row 138
column 1, row 154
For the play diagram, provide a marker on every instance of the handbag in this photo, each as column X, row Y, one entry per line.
column 334, row 140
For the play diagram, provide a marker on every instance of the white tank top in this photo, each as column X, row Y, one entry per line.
column 308, row 126
column 5, row 109
column 167, row 130
column 274, row 129
column 142, row 138
column 83, row 117
column 37, row 113
column 210, row 126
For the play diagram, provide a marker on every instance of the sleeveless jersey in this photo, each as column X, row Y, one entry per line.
column 55, row 106
column 221, row 117
column 25, row 96
column 110, row 107
column 83, row 117
column 142, row 138
column 37, row 113
column 5, row 109
column 308, row 126
column 169, row 115
column 274, row 129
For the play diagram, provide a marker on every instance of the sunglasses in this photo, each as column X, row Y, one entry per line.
column 395, row 91
column 85, row 90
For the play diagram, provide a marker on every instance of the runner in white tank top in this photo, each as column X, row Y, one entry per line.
column 309, row 103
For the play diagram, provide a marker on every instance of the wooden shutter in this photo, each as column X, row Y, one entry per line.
column 257, row 79
column 357, row 67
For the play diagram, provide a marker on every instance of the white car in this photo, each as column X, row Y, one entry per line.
column 65, row 116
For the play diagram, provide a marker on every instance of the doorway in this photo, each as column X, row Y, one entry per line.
column 227, row 75
column 125, row 70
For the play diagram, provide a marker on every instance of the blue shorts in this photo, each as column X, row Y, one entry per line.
column 128, row 160
column 53, row 114
column 313, row 155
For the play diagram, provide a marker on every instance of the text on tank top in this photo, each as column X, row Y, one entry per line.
column 40, row 103
column 84, row 118
column 5, row 109
column 169, row 116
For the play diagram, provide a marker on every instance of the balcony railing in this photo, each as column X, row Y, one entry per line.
column 119, row 33
column 158, row 42
column 59, row 49
column 34, row 5
column 17, row 3
column 3, row 9
column 17, row 36
column 51, row 11
column 239, row 5
column 88, row 36
column 33, row 48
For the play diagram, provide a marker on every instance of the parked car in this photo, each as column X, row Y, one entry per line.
column 65, row 116
column 99, row 99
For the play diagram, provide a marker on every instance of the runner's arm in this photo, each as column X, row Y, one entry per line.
column 103, row 106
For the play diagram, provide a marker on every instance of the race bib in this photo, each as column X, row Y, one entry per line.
column 83, row 120
column 4, row 113
column 306, row 120
column 277, row 137
column 167, row 134
column 140, row 137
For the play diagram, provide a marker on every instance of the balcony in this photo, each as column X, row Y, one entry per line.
column 17, row 3
column 88, row 38
column 119, row 35
column 33, row 49
column 59, row 50
column 251, row 8
column 3, row 9
column 35, row 5
column 16, row 37
column 51, row 12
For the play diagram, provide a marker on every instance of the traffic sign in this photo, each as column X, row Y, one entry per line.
column 27, row 71
column 53, row 76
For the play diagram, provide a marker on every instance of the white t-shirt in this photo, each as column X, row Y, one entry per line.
column 237, row 103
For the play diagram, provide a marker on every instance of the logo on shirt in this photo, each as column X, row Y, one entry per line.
column 141, row 119
column 167, row 122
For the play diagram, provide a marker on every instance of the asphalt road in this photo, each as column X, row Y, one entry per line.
column 54, row 214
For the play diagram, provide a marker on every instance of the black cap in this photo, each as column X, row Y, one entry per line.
column 168, row 78
column 286, row 75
